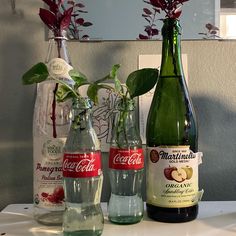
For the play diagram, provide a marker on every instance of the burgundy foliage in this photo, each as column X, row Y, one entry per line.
column 212, row 31
column 55, row 19
column 171, row 9
column 78, row 22
column 150, row 29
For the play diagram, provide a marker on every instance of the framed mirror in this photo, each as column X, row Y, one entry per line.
column 130, row 20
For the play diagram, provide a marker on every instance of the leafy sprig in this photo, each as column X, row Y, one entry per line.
column 137, row 83
column 57, row 18
column 151, row 29
column 172, row 8
column 78, row 22
column 54, row 18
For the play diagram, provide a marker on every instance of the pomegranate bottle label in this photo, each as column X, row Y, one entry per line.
column 48, row 183
column 82, row 165
column 172, row 176
column 126, row 159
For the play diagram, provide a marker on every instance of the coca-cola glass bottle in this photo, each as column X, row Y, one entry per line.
column 126, row 167
column 82, row 174
column 51, row 125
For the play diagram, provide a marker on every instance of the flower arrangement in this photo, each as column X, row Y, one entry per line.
column 137, row 83
column 54, row 18
column 57, row 18
column 171, row 8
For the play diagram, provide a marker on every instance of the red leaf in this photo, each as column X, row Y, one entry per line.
column 213, row 32
column 80, row 21
column 52, row 5
column 147, row 11
column 182, row 1
column 87, row 24
column 82, row 11
column 48, row 18
column 141, row 36
column 209, row 26
column 66, row 19
column 71, row 2
column 147, row 20
column 85, row 37
column 156, row 10
column 158, row 3
column 148, row 29
column 176, row 14
column 155, row 32
column 79, row 5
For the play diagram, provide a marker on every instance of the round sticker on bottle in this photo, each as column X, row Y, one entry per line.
column 59, row 69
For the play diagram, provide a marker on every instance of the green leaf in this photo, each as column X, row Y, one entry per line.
column 92, row 92
column 63, row 93
column 35, row 74
column 114, row 71
column 78, row 77
column 111, row 76
column 93, row 89
column 141, row 81
column 118, row 86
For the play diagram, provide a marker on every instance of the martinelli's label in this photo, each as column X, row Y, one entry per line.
column 48, row 182
column 172, row 176
column 59, row 69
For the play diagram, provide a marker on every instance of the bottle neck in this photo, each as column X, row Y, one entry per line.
column 125, row 113
column 58, row 49
column 125, row 132
column 171, row 64
column 81, row 114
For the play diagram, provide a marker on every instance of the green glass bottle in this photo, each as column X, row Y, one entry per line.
column 172, row 158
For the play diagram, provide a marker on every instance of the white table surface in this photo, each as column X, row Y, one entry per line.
column 215, row 219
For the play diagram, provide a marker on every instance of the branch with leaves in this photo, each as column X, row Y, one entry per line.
column 171, row 8
column 137, row 83
column 211, row 33
column 78, row 22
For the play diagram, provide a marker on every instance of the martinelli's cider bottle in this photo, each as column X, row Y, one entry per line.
column 172, row 139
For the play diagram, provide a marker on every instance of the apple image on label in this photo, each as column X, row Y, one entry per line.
column 189, row 171
column 168, row 171
column 179, row 175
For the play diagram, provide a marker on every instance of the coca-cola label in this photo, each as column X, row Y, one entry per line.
column 77, row 165
column 126, row 159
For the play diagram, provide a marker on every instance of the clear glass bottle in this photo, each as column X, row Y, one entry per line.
column 51, row 125
column 126, row 168
column 83, row 176
column 172, row 139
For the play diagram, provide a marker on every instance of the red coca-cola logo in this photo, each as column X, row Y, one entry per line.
column 126, row 159
column 76, row 165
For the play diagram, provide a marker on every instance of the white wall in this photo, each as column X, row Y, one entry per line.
column 212, row 84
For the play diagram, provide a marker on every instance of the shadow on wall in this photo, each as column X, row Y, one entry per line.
column 217, row 137
column 16, row 104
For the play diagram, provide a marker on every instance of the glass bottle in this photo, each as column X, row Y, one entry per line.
column 126, row 168
column 83, row 176
column 51, row 125
column 172, row 139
